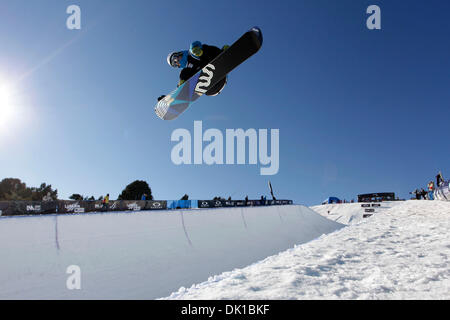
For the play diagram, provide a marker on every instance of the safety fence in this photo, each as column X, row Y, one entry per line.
column 443, row 192
column 15, row 208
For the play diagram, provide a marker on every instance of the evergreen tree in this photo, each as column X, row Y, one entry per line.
column 39, row 193
column 76, row 197
column 135, row 190
column 14, row 189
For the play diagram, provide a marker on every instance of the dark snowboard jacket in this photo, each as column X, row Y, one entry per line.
column 194, row 65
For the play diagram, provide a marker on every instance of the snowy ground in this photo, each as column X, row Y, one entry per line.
column 352, row 213
column 400, row 253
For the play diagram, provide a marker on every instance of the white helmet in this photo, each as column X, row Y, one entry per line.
column 176, row 59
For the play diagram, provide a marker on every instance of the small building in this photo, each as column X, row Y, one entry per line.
column 376, row 197
column 331, row 200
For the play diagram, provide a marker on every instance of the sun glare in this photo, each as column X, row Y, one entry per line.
column 6, row 106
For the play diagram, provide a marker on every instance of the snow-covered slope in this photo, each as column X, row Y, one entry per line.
column 143, row 255
column 352, row 213
column 401, row 253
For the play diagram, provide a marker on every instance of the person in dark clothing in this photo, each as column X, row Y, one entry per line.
column 439, row 179
column 423, row 193
column 417, row 193
column 263, row 202
column 193, row 60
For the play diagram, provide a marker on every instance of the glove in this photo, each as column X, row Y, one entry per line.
column 225, row 47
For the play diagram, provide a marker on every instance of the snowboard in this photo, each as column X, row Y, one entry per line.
column 175, row 103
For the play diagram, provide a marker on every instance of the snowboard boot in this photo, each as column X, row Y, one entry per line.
column 216, row 89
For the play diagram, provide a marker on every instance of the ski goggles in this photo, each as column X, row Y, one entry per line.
column 178, row 59
column 175, row 60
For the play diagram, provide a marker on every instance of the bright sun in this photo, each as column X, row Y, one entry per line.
column 12, row 114
column 6, row 106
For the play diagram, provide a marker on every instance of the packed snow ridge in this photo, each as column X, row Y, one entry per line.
column 398, row 253
column 352, row 213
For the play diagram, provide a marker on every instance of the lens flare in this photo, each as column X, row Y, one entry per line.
column 6, row 107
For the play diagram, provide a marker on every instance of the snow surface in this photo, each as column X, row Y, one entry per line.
column 399, row 253
column 143, row 255
column 351, row 213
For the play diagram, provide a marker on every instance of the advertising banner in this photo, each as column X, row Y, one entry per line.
column 156, row 205
column 11, row 208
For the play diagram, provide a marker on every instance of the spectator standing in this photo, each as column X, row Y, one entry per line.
column 106, row 202
column 430, row 190
column 439, row 179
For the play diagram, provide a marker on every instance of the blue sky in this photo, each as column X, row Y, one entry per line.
column 358, row 110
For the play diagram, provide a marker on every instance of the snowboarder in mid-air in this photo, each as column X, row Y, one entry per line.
column 193, row 60
column 204, row 71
